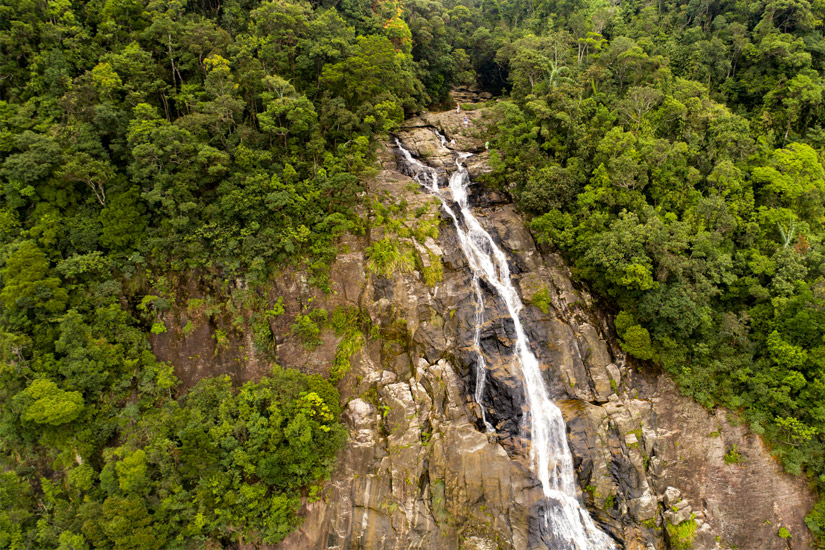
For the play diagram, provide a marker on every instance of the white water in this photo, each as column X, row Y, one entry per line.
column 570, row 524
column 481, row 363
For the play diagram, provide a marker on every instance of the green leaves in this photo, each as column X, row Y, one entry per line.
column 636, row 342
column 635, row 339
column 794, row 179
column 374, row 70
column 221, row 464
column 795, row 432
column 38, row 155
column 15, row 499
column 131, row 472
column 287, row 114
column 620, row 254
column 28, row 284
column 45, row 403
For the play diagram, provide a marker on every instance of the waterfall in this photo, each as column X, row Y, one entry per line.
column 481, row 363
column 568, row 522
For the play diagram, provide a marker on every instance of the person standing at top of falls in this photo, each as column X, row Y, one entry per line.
column 457, row 107
column 466, row 122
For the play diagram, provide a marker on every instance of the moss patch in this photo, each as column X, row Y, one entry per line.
column 681, row 536
column 541, row 300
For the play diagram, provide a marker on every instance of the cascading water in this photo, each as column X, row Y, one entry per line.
column 569, row 524
column 481, row 363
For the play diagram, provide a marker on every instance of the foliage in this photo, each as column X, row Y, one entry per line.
column 44, row 403
column 681, row 536
column 434, row 272
column 346, row 322
column 542, row 300
column 636, row 342
column 238, row 460
column 307, row 327
column 733, row 456
column 389, row 256
column 815, row 520
column 352, row 342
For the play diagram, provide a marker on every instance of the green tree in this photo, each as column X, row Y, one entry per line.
column 373, row 70
column 794, row 179
column 43, row 402
column 28, row 284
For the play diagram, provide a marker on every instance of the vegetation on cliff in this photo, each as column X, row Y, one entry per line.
column 673, row 151
column 143, row 137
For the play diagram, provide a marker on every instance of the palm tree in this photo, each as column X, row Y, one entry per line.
column 555, row 74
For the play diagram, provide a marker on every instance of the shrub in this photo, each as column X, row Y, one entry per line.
column 435, row 272
column 344, row 319
column 221, row 339
column 541, row 300
column 637, row 342
column 308, row 326
column 815, row 520
column 387, row 256
column 681, row 536
column 348, row 347
column 733, row 456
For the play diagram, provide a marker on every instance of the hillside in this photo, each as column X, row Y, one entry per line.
column 233, row 301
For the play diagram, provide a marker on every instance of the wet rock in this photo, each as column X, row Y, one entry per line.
column 419, row 139
column 477, row 166
column 420, row 469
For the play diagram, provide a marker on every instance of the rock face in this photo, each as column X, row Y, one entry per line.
column 421, row 471
column 194, row 342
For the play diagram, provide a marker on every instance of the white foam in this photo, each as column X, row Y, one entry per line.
column 550, row 456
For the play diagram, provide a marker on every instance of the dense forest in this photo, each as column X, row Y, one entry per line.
column 672, row 150
column 146, row 139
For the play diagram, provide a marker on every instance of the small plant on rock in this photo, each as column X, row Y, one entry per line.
column 609, row 502
column 681, row 536
column 541, row 300
column 388, row 256
column 307, row 327
column 733, row 456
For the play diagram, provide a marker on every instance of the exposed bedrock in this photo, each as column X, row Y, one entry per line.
column 421, row 471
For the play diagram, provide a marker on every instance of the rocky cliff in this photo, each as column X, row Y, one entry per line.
column 421, row 471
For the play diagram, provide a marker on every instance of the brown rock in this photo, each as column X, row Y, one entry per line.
column 421, row 471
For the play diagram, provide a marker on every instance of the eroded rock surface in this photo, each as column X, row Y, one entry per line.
column 421, row 471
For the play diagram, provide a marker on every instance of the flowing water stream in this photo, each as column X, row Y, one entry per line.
column 566, row 521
